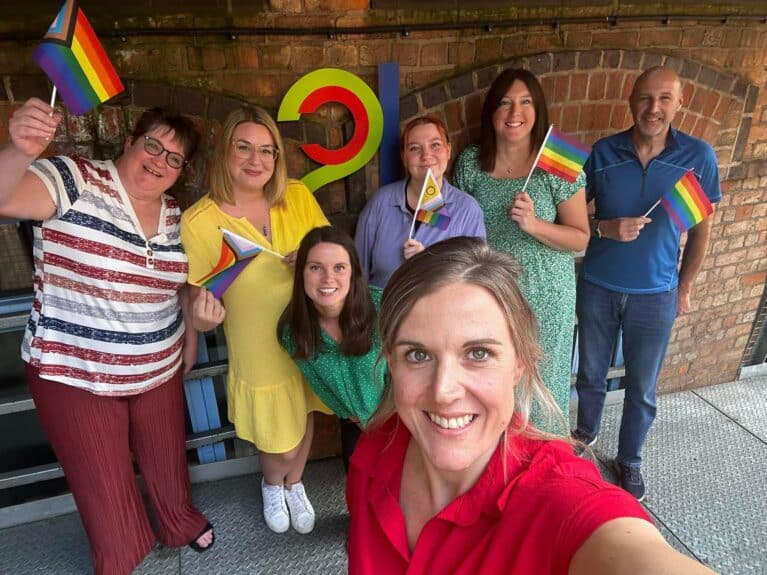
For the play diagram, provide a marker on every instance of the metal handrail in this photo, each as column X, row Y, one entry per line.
column 23, row 401
column 38, row 473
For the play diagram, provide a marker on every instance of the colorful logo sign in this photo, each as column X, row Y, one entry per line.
column 335, row 85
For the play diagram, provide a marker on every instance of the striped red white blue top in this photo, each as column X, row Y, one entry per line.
column 106, row 315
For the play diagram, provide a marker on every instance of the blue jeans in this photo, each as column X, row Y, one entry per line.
column 646, row 320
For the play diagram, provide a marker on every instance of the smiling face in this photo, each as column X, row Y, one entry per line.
column 454, row 369
column 425, row 147
column 251, row 173
column 144, row 176
column 655, row 100
column 514, row 118
column 327, row 278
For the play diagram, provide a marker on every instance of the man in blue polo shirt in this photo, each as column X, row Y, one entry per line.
column 631, row 280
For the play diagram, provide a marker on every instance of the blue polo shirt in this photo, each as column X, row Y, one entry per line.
column 621, row 187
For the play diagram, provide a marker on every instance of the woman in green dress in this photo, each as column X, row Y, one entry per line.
column 541, row 225
column 330, row 328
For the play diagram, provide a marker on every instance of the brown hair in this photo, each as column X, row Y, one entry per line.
column 184, row 131
column 220, row 180
column 358, row 316
column 498, row 90
column 472, row 261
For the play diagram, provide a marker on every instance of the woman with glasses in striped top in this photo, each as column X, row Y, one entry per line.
column 106, row 344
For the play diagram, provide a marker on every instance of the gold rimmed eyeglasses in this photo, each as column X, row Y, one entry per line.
column 245, row 150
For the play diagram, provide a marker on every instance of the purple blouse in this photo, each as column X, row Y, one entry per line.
column 385, row 221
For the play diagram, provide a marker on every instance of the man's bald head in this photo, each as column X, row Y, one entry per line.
column 655, row 99
column 660, row 73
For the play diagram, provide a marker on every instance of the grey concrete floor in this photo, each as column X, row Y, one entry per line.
column 705, row 465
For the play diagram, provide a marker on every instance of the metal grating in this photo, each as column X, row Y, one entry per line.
column 244, row 545
column 705, row 476
column 705, row 468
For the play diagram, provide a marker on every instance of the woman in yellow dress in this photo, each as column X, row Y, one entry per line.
column 268, row 401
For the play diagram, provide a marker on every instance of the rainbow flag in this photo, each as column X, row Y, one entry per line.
column 562, row 155
column 686, row 203
column 429, row 203
column 435, row 219
column 236, row 253
column 73, row 58
column 431, row 198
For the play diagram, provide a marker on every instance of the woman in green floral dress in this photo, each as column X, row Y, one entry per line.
column 541, row 226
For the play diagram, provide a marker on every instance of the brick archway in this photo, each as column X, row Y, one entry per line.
column 587, row 92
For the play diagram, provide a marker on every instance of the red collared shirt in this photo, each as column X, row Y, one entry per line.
column 532, row 522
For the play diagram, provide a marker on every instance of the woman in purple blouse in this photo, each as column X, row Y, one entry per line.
column 384, row 224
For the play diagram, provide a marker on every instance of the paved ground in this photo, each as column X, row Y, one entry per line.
column 705, row 468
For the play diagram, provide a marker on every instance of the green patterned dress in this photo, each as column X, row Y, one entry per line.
column 548, row 274
column 350, row 385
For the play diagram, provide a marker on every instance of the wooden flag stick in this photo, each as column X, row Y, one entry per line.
column 655, row 205
column 53, row 98
column 538, row 157
column 267, row 250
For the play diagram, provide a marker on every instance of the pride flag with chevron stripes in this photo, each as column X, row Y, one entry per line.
column 686, row 203
column 73, row 58
column 563, row 155
column 236, row 253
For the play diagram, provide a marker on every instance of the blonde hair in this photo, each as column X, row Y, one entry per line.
column 220, row 180
column 472, row 261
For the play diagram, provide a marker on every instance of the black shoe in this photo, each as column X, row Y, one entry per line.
column 630, row 479
column 196, row 546
column 582, row 440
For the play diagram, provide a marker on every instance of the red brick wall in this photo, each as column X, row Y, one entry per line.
column 587, row 92
column 587, row 70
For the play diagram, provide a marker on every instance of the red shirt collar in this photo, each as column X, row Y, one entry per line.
column 488, row 495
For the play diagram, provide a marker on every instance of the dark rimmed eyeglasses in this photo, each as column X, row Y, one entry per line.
column 244, row 150
column 153, row 147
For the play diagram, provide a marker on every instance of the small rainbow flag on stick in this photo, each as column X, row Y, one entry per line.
column 435, row 219
column 429, row 202
column 73, row 58
column 236, row 253
column 686, row 203
column 560, row 155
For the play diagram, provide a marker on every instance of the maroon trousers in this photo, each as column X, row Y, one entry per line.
column 93, row 436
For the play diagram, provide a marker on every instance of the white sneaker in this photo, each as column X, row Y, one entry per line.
column 301, row 510
column 275, row 510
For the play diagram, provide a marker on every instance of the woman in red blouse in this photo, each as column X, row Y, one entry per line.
column 450, row 477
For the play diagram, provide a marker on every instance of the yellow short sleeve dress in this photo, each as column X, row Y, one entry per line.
column 267, row 397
